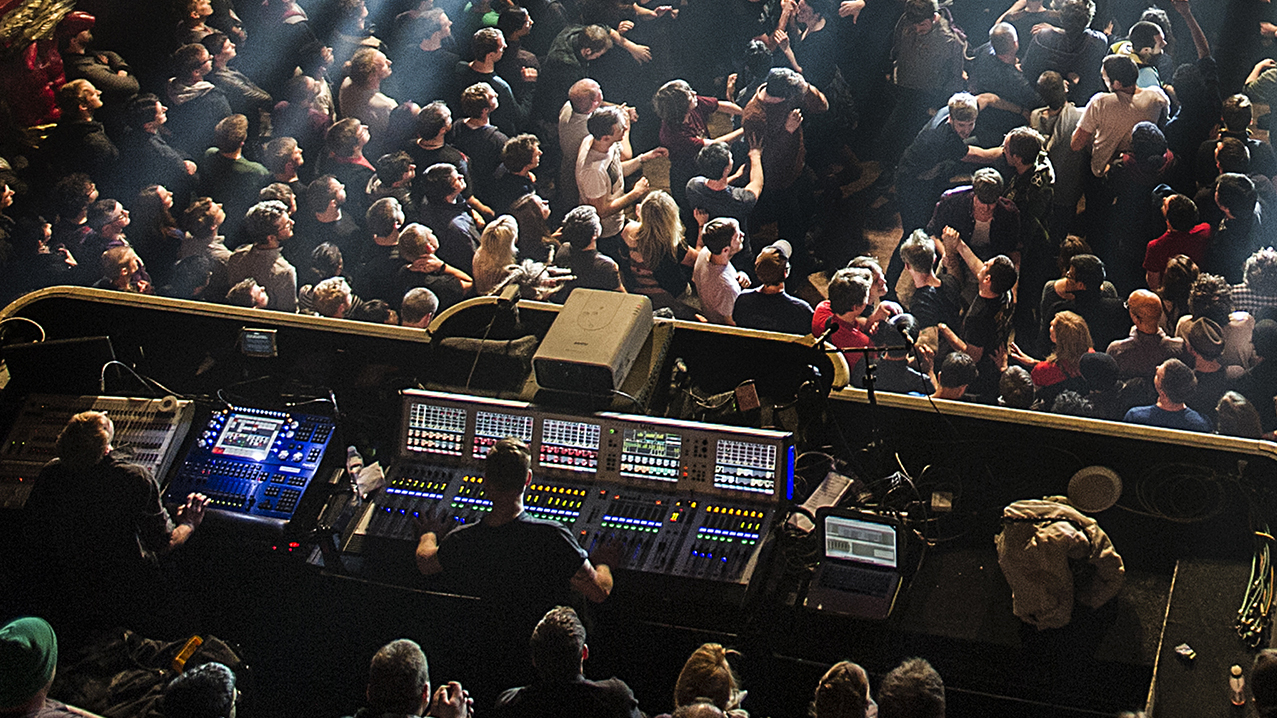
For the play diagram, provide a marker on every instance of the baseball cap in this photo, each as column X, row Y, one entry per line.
column 773, row 261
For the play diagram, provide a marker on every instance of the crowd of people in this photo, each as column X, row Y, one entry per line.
column 1085, row 225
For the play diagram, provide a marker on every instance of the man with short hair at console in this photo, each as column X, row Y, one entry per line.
column 519, row 566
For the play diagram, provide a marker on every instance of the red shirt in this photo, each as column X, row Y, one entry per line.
column 1193, row 243
column 847, row 336
column 686, row 139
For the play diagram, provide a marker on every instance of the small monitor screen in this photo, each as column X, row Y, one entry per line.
column 491, row 427
column 569, row 445
column 745, row 466
column 849, row 539
column 248, row 437
column 650, row 454
column 436, row 429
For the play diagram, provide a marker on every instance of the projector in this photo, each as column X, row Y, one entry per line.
column 594, row 341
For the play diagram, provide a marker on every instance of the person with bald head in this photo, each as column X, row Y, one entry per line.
column 1147, row 346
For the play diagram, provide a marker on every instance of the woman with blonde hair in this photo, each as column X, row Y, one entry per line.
column 660, row 260
column 1059, row 371
column 843, row 692
column 496, row 252
column 707, row 674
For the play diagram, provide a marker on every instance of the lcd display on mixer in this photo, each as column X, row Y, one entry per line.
column 490, row 427
column 569, row 445
column 745, row 466
column 435, row 429
column 651, row 454
column 247, row 436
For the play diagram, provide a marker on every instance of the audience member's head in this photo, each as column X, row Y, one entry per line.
column 1260, row 274
column 1235, row 416
column 247, row 293
column 1175, row 380
column 1120, row 71
column 29, row 651
column 1002, row 274
column 558, row 641
column 1212, row 297
column 1052, row 90
column 987, row 185
column 205, row 691
column 719, row 233
column 1263, row 682
column 230, row 133
column 1181, row 212
column 346, row 138
column 267, row 219
column 1205, row 338
column 581, row 227
column 784, row 84
column 418, row 308
column 1076, row 15
column 433, row 120
column 1072, row 337
column 440, row 182
column 707, row 674
column 1236, row 112
column 416, row 241
column 911, row 690
column 1087, row 271
column 399, row 679
column 958, row 371
column 849, row 290
column 1100, row 371
column 1071, row 403
column 1235, row 194
column 919, row 252
column 1264, row 338
column 521, row 152
column 771, row 266
column 843, row 692
column 332, row 297
column 1015, row 388
column 476, row 99
column 1232, row 156
column 673, row 101
column 384, row 217
column 323, row 193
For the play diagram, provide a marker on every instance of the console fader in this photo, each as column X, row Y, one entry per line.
column 685, row 499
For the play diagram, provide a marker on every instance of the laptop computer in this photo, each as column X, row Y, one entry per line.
column 859, row 571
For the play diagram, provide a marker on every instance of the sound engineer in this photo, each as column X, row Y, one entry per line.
column 518, row 566
column 94, row 528
column 510, row 557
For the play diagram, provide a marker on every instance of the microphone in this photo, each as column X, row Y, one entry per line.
column 906, row 325
column 831, row 327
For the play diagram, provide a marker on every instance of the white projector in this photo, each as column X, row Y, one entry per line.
column 593, row 342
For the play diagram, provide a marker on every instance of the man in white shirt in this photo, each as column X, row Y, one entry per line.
column 601, row 173
column 1107, row 121
column 717, row 282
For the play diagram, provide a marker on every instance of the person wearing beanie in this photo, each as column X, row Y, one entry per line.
column 28, row 661
column 769, row 306
column 1175, row 384
column 1205, row 342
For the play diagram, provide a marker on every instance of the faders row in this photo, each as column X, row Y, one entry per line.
column 661, row 532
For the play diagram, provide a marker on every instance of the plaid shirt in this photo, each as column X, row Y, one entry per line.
column 1246, row 299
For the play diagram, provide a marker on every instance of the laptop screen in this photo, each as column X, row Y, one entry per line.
column 849, row 539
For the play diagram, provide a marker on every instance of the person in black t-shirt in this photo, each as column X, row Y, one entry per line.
column 518, row 566
column 559, row 653
column 769, row 306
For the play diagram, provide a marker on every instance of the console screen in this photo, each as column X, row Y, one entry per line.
column 491, row 427
column 649, row 454
column 435, row 429
column 745, row 466
column 249, row 437
column 569, row 445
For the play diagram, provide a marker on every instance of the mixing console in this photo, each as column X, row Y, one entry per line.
column 683, row 499
column 253, row 464
column 148, row 431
